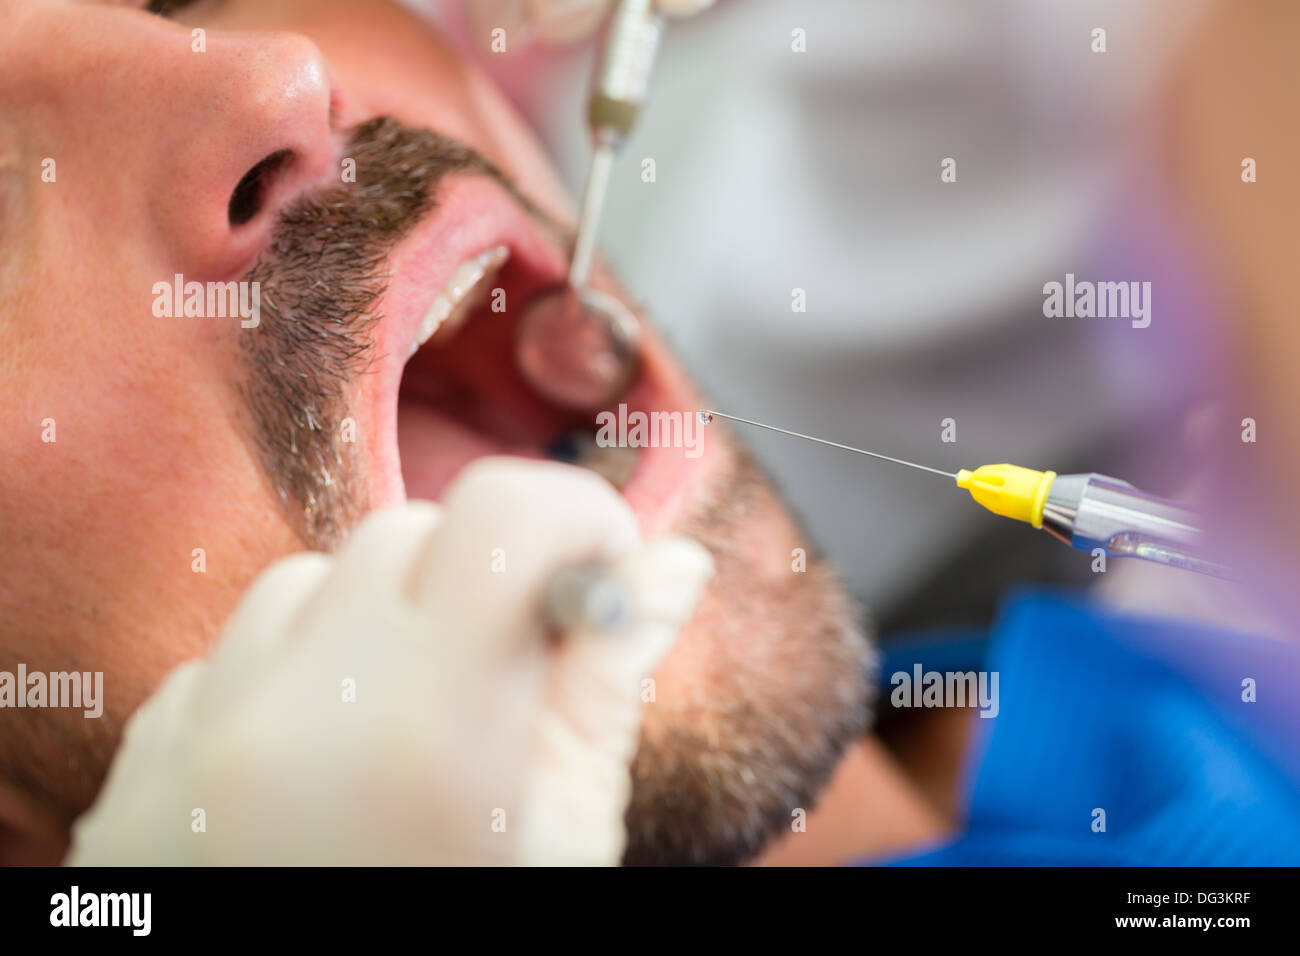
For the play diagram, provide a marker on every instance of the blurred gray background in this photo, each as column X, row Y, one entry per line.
column 821, row 171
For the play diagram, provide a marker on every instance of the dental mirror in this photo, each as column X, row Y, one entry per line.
column 578, row 347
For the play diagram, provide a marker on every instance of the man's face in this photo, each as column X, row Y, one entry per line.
column 152, row 462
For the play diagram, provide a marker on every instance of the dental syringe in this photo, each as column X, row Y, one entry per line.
column 1086, row 511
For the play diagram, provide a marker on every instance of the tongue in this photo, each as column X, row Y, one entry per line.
column 435, row 447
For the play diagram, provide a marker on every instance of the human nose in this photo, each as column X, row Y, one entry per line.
column 251, row 133
column 200, row 138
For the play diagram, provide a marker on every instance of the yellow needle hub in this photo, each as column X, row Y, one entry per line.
column 1009, row 490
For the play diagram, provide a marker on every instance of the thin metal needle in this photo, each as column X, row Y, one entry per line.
column 833, row 444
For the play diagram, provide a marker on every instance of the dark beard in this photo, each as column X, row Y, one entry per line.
column 725, row 762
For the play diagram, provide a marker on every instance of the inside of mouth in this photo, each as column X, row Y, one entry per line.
column 462, row 397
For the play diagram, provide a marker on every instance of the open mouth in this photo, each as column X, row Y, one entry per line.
column 448, row 390
column 461, row 396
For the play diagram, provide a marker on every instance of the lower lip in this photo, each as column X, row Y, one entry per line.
column 661, row 483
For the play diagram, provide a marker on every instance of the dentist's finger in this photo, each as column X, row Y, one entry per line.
column 382, row 551
column 508, row 526
column 256, row 632
column 599, row 674
column 590, row 727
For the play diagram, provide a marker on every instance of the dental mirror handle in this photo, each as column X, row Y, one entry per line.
column 621, row 82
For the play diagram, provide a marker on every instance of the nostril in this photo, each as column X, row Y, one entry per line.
column 249, row 195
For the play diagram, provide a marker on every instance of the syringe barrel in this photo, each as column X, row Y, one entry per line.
column 623, row 74
column 1092, row 511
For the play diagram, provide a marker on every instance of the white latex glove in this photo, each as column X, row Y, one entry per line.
column 557, row 22
column 472, row 738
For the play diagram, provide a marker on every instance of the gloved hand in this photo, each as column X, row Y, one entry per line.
column 557, row 22
column 402, row 702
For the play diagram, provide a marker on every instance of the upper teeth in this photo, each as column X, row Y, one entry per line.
column 464, row 280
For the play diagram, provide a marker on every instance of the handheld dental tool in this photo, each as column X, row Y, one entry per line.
column 585, row 597
column 1086, row 511
column 576, row 345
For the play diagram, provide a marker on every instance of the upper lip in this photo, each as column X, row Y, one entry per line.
column 473, row 215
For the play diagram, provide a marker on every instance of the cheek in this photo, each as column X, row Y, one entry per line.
column 132, row 502
column 128, row 456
